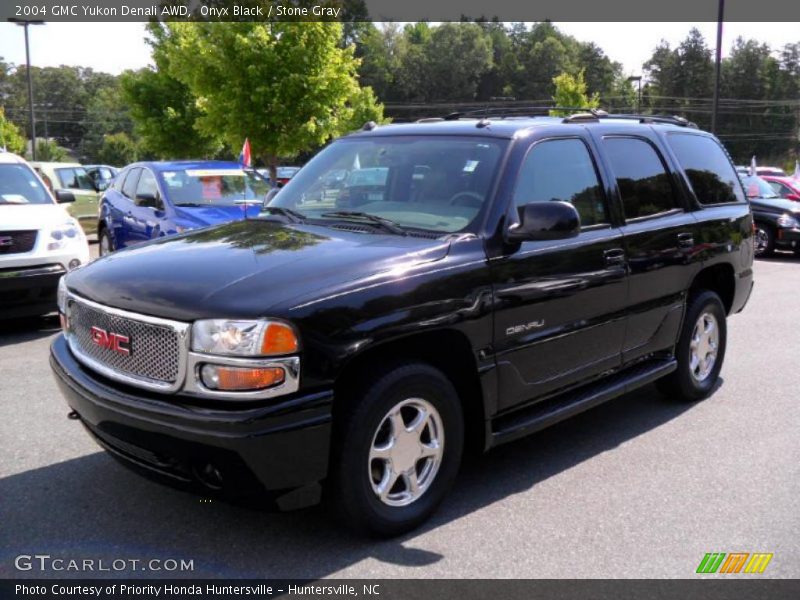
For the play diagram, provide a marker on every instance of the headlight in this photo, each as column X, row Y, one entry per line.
column 64, row 234
column 243, row 338
column 788, row 221
column 61, row 296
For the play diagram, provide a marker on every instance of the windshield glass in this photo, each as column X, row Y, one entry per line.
column 75, row 178
column 755, row 187
column 214, row 186
column 19, row 185
column 431, row 183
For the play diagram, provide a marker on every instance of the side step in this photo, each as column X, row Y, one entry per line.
column 542, row 414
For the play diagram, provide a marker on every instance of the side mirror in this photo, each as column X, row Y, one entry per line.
column 148, row 200
column 795, row 197
column 545, row 221
column 269, row 196
column 64, row 196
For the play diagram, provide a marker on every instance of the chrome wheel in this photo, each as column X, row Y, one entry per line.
column 704, row 347
column 406, row 452
column 105, row 244
column 761, row 241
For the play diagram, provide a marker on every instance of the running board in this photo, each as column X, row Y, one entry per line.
column 548, row 412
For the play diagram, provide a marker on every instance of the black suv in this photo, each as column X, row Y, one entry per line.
column 413, row 290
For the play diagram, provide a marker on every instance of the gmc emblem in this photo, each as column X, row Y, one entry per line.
column 111, row 341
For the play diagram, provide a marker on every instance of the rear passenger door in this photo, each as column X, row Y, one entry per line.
column 559, row 305
column 659, row 239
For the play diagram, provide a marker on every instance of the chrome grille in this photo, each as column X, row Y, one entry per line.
column 17, row 242
column 155, row 348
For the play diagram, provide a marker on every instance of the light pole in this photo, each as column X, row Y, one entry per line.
column 717, row 66
column 24, row 23
column 637, row 79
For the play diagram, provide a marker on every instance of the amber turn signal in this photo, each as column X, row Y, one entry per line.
column 279, row 339
column 240, row 378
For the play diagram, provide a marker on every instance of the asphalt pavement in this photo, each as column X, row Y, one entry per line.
column 640, row 487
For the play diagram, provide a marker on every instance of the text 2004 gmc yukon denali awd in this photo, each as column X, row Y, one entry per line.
column 413, row 289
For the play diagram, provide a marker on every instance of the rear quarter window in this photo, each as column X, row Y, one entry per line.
column 710, row 173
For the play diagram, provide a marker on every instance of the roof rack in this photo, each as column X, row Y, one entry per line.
column 502, row 112
column 596, row 115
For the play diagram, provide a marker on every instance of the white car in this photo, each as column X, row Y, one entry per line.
column 39, row 241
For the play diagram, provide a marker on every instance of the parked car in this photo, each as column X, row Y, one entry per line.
column 101, row 175
column 149, row 200
column 774, row 171
column 777, row 220
column 282, row 175
column 73, row 177
column 785, row 187
column 39, row 241
column 497, row 276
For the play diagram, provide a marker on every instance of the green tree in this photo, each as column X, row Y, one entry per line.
column 571, row 91
column 163, row 109
column 285, row 86
column 10, row 136
column 50, row 151
column 117, row 149
column 106, row 114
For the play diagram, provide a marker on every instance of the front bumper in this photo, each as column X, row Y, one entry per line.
column 787, row 239
column 29, row 291
column 278, row 450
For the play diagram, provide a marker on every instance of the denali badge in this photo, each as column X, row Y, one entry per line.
column 111, row 341
column 514, row 330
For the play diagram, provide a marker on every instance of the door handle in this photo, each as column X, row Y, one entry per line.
column 614, row 256
column 685, row 240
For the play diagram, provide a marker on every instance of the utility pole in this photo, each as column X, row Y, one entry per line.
column 24, row 23
column 717, row 67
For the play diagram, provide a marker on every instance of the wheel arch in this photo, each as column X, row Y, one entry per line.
column 447, row 350
column 720, row 279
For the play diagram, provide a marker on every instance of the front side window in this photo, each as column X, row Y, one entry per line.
column 147, row 184
column 710, row 173
column 19, row 185
column 431, row 183
column 562, row 170
column 642, row 179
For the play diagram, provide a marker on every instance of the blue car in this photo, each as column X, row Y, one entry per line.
column 149, row 200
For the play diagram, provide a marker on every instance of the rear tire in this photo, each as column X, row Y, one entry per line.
column 106, row 246
column 764, row 241
column 700, row 350
column 397, row 449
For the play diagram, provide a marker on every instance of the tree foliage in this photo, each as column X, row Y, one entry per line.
column 285, row 86
column 571, row 92
column 11, row 138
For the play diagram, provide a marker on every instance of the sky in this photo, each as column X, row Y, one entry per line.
column 115, row 47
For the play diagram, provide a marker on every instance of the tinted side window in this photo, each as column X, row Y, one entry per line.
column 129, row 187
column 562, row 170
column 711, row 174
column 641, row 177
column 147, row 184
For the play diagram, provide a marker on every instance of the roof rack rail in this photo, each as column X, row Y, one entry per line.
column 595, row 114
column 502, row 112
column 431, row 120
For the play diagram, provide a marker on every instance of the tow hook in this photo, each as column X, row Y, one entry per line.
column 73, row 416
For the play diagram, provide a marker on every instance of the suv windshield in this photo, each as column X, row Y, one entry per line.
column 213, row 186
column 755, row 187
column 431, row 183
column 19, row 185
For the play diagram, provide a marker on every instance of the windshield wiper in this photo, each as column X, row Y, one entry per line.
column 293, row 215
column 354, row 215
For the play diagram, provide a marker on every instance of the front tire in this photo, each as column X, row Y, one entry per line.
column 764, row 241
column 106, row 246
column 397, row 449
column 700, row 350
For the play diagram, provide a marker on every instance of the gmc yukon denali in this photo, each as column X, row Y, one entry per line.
column 416, row 290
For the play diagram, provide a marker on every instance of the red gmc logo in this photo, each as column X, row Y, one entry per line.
column 111, row 341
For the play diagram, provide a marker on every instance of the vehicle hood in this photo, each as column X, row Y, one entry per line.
column 776, row 205
column 214, row 215
column 31, row 216
column 246, row 269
